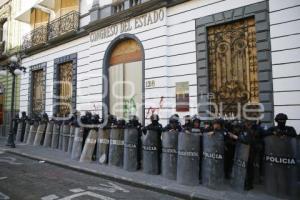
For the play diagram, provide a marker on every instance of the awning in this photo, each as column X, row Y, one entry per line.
column 24, row 16
column 50, row 4
column 44, row 5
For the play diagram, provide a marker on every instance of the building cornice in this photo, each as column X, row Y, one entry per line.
column 132, row 12
column 111, row 18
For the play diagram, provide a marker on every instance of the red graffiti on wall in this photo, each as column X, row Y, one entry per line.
column 152, row 110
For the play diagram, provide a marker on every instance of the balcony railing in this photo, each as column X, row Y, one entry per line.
column 63, row 25
column 36, row 37
column 68, row 23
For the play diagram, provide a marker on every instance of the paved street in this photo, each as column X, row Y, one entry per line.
column 25, row 179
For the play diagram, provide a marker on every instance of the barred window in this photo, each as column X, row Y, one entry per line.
column 233, row 69
column 38, row 89
column 65, row 88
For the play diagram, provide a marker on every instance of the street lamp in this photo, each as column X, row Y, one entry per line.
column 15, row 69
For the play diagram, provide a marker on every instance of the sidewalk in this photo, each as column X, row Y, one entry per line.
column 139, row 179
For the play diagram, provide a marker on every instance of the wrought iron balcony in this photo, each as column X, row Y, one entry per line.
column 35, row 38
column 64, row 25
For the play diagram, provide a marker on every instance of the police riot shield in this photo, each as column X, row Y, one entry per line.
column 27, row 129
column 151, row 152
column 103, row 146
column 297, row 189
column 55, row 136
column 257, row 165
column 48, row 135
column 89, row 146
column 239, row 171
column 39, row 134
column 71, row 139
column 60, row 140
column 213, row 160
column 280, row 166
column 169, row 154
column 32, row 133
column 188, row 164
column 131, row 149
column 77, row 144
column 19, row 131
column 66, row 136
column 116, row 147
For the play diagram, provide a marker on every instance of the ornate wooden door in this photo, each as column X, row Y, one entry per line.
column 65, row 90
column 233, row 70
column 38, row 91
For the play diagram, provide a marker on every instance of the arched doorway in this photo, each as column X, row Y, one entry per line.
column 125, row 73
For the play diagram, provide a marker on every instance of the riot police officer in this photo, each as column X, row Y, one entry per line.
column 133, row 122
column 45, row 120
column 281, row 129
column 244, row 133
column 196, row 124
column 156, row 127
column 280, row 159
column 15, row 123
column 23, row 120
column 86, row 120
column 214, row 154
column 187, row 122
column 173, row 124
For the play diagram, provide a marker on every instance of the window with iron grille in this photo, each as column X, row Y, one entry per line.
column 232, row 65
column 65, row 88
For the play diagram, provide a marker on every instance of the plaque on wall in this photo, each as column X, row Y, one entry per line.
column 182, row 97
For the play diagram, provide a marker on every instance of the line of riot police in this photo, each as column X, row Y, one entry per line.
column 212, row 153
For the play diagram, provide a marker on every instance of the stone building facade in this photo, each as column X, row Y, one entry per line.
column 175, row 56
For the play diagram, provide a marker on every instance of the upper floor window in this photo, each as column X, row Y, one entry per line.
column 3, row 36
column 38, row 18
column 3, row 31
column 63, row 7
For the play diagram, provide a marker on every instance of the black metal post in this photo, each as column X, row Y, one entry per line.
column 10, row 140
column 13, row 101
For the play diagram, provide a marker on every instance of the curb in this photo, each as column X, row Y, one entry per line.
column 122, row 180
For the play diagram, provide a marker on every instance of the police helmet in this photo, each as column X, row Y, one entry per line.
column 281, row 117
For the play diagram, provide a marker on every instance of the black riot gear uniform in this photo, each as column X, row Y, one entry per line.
column 134, row 123
column 155, row 126
column 187, row 122
column 281, row 129
column 23, row 119
column 173, row 124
